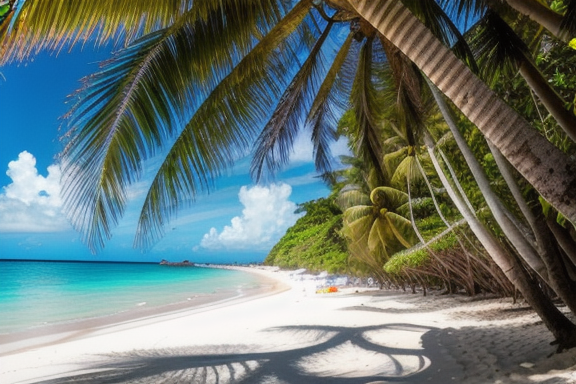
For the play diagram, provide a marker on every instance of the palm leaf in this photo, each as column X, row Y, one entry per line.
column 393, row 159
column 497, row 47
column 406, row 167
column 57, row 23
column 401, row 228
column 389, row 198
column 274, row 145
column 465, row 9
column 133, row 105
column 351, row 196
column 234, row 109
column 378, row 239
column 568, row 25
column 358, row 212
column 365, row 134
column 434, row 17
column 328, row 106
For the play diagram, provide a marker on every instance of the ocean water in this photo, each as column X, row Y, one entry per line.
column 34, row 293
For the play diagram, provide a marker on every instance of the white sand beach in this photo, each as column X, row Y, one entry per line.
column 357, row 335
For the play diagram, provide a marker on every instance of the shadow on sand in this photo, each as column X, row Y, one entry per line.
column 343, row 355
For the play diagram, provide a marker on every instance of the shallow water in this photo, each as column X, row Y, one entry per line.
column 38, row 293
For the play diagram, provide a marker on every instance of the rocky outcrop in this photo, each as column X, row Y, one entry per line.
column 184, row 263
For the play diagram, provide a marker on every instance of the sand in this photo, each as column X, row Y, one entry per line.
column 281, row 335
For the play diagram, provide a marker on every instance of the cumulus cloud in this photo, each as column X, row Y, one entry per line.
column 266, row 216
column 31, row 203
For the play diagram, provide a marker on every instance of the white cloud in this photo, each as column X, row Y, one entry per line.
column 266, row 216
column 302, row 151
column 31, row 203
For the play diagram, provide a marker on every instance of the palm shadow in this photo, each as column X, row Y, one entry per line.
column 328, row 360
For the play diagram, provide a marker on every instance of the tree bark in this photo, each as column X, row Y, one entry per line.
column 506, row 172
column 542, row 15
column 563, row 330
column 523, row 247
column 559, row 279
column 564, row 239
column 548, row 169
column 546, row 242
column 551, row 100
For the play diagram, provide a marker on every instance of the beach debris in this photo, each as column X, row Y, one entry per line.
column 527, row 365
column 331, row 289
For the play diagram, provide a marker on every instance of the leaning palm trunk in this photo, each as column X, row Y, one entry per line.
column 543, row 15
column 478, row 260
column 525, row 249
column 512, row 184
column 563, row 330
column 548, row 169
column 551, row 100
column 546, row 263
column 550, row 246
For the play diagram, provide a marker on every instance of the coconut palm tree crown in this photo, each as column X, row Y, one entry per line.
column 197, row 83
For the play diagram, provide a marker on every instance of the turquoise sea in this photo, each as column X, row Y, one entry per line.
column 36, row 293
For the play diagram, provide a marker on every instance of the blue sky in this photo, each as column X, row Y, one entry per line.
column 237, row 222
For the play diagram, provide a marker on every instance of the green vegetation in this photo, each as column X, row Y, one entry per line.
column 314, row 242
column 433, row 144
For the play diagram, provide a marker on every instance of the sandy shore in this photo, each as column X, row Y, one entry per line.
column 297, row 336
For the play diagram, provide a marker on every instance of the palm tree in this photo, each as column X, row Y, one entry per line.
column 560, row 326
column 206, row 76
column 561, row 23
column 375, row 232
column 522, row 145
column 556, row 322
column 133, row 106
column 499, row 47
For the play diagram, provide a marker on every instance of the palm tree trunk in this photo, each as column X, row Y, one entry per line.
column 456, row 181
column 548, row 169
column 547, row 244
column 563, row 330
column 506, row 172
column 551, row 100
column 523, row 247
column 541, row 14
column 564, row 239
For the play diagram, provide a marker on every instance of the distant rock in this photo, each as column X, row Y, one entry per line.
column 184, row 263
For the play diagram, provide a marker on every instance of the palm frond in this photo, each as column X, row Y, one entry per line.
column 350, row 196
column 328, row 106
column 568, row 25
column 134, row 104
column 464, row 9
column 442, row 26
column 379, row 239
column 356, row 213
column 406, row 167
column 401, row 228
column 365, row 134
column 389, row 198
column 58, row 23
column 222, row 127
column 274, row 144
column 497, row 47
column 393, row 159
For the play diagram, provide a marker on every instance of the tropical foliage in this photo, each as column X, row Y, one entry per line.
column 314, row 242
column 425, row 122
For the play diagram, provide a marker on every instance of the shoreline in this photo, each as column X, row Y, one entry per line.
column 286, row 336
column 45, row 335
